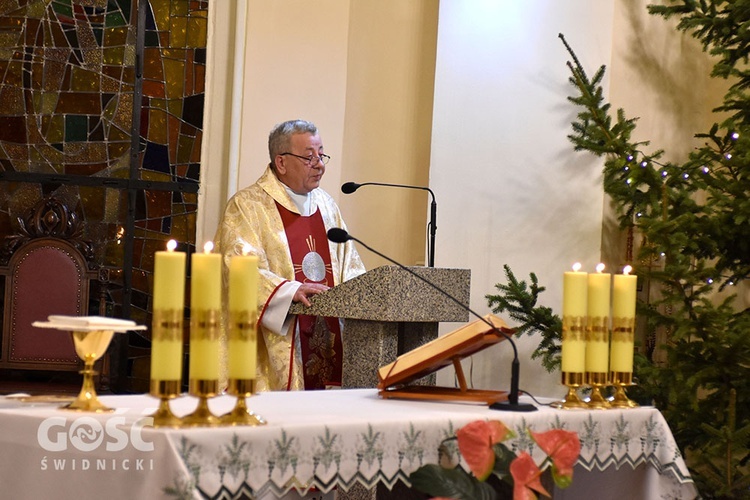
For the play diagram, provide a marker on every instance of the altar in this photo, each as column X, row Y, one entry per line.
column 315, row 441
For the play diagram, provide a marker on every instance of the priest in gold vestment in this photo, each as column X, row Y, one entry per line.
column 283, row 219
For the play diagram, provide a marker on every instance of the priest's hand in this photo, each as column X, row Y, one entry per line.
column 307, row 290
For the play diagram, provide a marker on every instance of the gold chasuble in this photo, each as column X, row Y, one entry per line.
column 322, row 352
column 252, row 222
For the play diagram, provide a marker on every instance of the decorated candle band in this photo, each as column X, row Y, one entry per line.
column 166, row 346
column 597, row 346
column 573, row 344
column 622, row 345
column 242, row 325
column 573, row 328
column 597, row 329
column 167, row 325
column 243, row 342
column 205, row 332
column 623, row 329
column 205, row 324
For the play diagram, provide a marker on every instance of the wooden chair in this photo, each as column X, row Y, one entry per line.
column 48, row 269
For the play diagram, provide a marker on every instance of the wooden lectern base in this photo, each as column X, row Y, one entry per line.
column 432, row 393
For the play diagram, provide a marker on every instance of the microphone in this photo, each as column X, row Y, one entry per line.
column 338, row 235
column 350, row 187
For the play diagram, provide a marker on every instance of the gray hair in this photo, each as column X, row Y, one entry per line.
column 280, row 138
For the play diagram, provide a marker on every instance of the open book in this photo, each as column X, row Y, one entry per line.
column 446, row 350
column 88, row 323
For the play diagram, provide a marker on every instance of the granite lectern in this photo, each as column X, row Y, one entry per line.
column 388, row 312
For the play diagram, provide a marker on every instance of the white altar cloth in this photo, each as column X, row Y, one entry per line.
column 313, row 440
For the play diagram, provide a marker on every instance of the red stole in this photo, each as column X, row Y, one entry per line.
column 320, row 338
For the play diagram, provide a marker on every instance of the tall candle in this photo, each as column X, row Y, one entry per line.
column 205, row 308
column 623, row 321
column 575, row 285
column 243, row 307
column 168, row 307
column 597, row 327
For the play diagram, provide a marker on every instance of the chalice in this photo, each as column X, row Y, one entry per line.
column 91, row 338
column 90, row 346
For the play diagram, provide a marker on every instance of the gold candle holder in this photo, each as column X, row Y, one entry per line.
column 620, row 380
column 573, row 381
column 597, row 380
column 202, row 416
column 241, row 414
column 90, row 346
column 165, row 390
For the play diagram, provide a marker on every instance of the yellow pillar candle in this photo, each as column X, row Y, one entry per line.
column 168, row 307
column 597, row 327
column 243, row 307
column 205, row 309
column 623, row 321
column 575, row 285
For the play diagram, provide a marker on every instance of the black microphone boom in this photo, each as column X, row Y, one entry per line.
column 350, row 187
column 338, row 235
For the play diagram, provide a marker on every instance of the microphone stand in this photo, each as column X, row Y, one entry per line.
column 338, row 235
column 350, row 187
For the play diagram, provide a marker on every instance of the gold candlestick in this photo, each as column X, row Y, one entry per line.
column 165, row 390
column 597, row 381
column 241, row 414
column 620, row 380
column 573, row 381
column 202, row 416
column 90, row 346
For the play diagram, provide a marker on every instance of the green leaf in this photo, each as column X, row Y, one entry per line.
column 437, row 481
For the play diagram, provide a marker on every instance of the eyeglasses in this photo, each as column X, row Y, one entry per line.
column 310, row 160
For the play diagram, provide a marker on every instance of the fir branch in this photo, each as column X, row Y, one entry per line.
column 519, row 300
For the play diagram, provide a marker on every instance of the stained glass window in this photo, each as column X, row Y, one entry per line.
column 78, row 121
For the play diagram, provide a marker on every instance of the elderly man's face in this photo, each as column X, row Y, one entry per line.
column 301, row 175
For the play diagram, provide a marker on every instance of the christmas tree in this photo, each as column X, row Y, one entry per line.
column 692, row 222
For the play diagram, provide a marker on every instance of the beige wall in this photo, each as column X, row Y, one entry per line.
column 391, row 70
column 512, row 189
column 363, row 72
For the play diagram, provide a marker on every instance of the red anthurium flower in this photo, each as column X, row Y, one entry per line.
column 475, row 442
column 563, row 447
column 526, row 478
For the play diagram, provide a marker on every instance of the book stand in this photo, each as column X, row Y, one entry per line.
column 449, row 349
